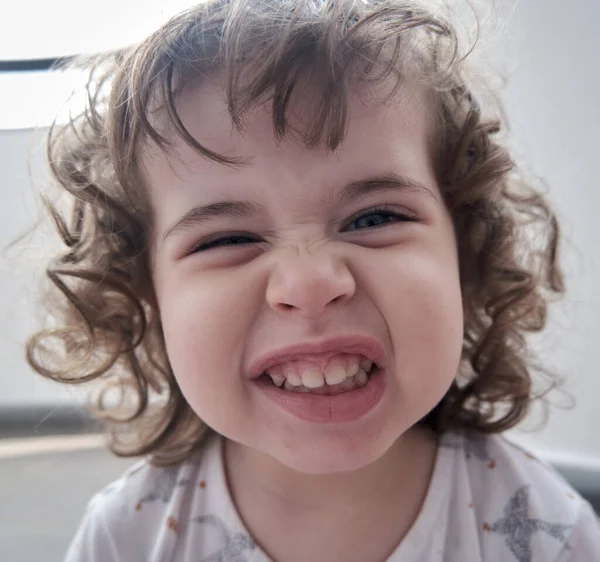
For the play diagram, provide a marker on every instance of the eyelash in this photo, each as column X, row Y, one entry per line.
column 223, row 241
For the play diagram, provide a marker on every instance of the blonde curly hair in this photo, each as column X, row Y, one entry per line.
column 109, row 326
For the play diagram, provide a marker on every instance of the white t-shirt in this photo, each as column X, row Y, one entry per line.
column 488, row 501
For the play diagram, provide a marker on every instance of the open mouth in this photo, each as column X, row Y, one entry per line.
column 328, row 376
column 339, row 380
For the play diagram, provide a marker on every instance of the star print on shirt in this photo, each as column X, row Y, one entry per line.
column 518, row 528
column 235, row 545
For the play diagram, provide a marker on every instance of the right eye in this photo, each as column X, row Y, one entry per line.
column 224, row 241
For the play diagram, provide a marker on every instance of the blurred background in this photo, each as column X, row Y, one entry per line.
column 51, row 459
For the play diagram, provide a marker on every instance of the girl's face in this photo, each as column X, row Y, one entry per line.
column 301, row 267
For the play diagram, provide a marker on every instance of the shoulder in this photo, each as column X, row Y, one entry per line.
column 518, row 502
column 146, row 501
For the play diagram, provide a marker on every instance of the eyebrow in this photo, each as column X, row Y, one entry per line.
column 221, row 209
column 383, row 182
column 243, row 209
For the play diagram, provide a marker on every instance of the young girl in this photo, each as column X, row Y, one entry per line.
column 295, row 247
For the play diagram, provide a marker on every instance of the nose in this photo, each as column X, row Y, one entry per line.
column 308, row 284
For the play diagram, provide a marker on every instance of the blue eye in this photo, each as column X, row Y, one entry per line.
column 378, row 217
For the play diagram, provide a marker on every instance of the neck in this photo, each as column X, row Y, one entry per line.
column 383, row 497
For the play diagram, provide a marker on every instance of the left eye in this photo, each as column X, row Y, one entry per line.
column 376, row 218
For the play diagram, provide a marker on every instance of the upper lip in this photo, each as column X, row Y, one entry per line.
column 368, row 346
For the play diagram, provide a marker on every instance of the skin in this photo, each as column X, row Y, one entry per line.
column 301, row 270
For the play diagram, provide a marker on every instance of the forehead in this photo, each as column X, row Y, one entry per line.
column 383, row 130
column 202, row 107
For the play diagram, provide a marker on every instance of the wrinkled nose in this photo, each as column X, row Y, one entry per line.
column 307, row 285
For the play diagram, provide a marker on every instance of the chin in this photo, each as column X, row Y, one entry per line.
column 328, row 455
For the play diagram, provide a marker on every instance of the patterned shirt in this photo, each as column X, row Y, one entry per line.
column 488, row 501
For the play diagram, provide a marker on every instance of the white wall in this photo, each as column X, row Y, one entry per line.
column 19, row 278
column 552, row 101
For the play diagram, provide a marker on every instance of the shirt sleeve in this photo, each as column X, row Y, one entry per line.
column 92, row 541
column 584, row 542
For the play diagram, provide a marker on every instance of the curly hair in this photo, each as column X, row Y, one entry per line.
column 108, row 327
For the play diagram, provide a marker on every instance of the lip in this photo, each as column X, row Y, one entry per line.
column 368, row 346
column 343, row 408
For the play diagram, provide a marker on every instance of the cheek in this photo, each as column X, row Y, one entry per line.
column 205, row 320
column 424, row 314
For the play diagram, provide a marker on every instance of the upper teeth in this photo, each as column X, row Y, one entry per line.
column 296, row 374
